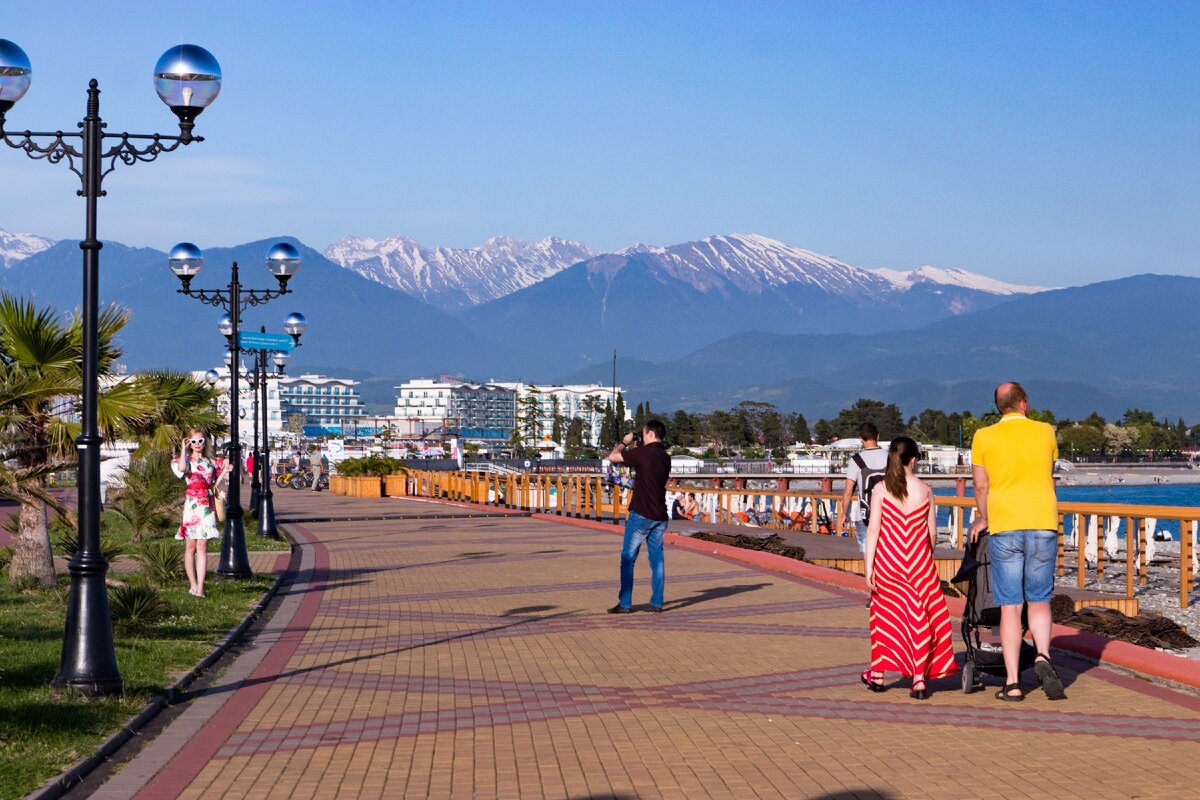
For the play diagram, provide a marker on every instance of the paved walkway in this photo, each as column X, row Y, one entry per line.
column 456, row 655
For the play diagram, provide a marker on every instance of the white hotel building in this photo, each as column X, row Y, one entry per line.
column 329, row 405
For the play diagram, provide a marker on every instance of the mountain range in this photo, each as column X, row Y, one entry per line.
column 699, row 325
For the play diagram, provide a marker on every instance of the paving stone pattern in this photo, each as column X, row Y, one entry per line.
column 474, row 658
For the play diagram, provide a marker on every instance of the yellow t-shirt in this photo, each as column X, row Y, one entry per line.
column 1018, row 455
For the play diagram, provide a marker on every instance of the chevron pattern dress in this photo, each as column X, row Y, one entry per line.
column 910, row 624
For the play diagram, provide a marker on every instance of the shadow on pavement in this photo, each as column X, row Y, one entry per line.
column 715, row 593
column 233, row 687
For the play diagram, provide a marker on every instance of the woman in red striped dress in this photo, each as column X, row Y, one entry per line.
column 910, row 624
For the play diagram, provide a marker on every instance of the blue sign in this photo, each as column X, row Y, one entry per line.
column 253, row 340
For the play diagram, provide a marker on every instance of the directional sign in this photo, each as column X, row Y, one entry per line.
column 252, row 340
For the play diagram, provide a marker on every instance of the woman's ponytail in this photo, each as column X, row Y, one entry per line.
column 902, row 452
column 894, row 478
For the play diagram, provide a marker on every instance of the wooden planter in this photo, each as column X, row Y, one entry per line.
column 395, row 485
column 337, row 484
column 366, row 486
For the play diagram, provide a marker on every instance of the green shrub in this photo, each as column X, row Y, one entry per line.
column 64, row 538
column 161, row 560
column 137, row 609
column 371, row 465
column 6, row 555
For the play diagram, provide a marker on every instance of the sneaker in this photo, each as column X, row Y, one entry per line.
column 620, row 609
column 655, row 609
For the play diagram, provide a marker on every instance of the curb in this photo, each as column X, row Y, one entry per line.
column 62, row 783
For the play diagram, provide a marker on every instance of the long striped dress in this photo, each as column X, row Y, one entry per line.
column 910, row 624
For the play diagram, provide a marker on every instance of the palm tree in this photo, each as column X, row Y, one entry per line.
column 182, row 403
column 150, row 493
column 41, row 377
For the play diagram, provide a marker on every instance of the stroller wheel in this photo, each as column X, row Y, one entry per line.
column 968, row 677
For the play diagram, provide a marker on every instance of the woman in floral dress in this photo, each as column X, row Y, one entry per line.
column 196, row 465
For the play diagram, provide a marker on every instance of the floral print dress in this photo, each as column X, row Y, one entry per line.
column 199, row 521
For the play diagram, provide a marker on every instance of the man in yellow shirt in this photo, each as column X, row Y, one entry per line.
column 1012, row 466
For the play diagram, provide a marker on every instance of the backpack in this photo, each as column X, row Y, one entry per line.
column 868, row 480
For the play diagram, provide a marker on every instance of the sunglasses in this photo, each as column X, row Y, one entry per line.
column 197, row 441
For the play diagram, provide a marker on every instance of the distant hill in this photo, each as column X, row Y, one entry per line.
column 456, row 278
column 353, row 322
column 659, row 303
column 1104, row 347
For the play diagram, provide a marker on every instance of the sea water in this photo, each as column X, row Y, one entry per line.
column 1171, row 494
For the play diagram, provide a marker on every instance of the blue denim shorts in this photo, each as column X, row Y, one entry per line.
column 1022, row 566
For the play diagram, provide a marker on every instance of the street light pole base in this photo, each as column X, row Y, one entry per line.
column 235, row 563
column 88, row 664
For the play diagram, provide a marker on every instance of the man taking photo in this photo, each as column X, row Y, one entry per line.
column 647, row 511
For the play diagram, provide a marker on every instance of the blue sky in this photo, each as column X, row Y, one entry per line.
column 1049, row 143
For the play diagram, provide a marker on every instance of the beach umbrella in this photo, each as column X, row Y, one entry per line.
column 1151, row 524
column 1112, row 544
column 1092, row 533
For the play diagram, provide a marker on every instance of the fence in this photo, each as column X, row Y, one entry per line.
column 590, row 496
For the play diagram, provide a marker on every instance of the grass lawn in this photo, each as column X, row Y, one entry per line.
column 115, row 530
column 39, row 735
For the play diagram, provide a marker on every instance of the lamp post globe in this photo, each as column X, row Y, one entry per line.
column 295, row 325
column 283, row 261
column 281, row 361
column 211, row 377
column 15, row 75
column 225, row 326
column 187, row 78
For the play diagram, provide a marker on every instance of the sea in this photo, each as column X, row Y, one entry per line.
column 1171, row 494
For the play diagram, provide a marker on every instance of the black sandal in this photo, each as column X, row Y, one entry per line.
column 1051, row 683
column 1003, row 694
column 918, row 694
column 868, row 678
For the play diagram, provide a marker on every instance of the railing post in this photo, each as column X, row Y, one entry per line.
column 1185, row 561
column 1062, row 545
column 1131, row 543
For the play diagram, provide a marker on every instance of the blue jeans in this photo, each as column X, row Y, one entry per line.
column 1022, row 566
column 860, row 532
column 638, row 529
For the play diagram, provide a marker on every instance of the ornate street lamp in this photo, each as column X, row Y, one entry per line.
column 188, row 79
column 295, row 326
column 186, row 261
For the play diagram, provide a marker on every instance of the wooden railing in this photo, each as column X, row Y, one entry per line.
column 590, row 496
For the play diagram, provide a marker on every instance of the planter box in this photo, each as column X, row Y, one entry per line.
column 395, row 485
column 366, row 486
column 337, row 484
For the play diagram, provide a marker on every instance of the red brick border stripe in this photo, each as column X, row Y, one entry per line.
column 180, row 772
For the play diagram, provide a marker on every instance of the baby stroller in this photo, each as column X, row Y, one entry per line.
column 984, row 658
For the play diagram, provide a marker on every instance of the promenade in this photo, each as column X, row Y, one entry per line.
column 428, row 650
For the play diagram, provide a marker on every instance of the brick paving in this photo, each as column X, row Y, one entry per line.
column 471, row 656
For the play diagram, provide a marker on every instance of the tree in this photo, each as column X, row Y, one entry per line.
column 529, row 411
column 41, row 372
column 151, row 492
column 296, row 422
column 1136, row 416
column 573, row 444
column 887, row 419
column 1120, row 438
column 608, row 428
column 684, row 429
column 798, row 429
column 1080, row 439
column 181, row 403
column 619, row 416
column 559, row 425
column 823, row 432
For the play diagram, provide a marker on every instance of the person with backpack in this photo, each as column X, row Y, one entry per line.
column 864, row 472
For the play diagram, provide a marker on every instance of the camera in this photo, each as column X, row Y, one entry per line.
column 637, row 439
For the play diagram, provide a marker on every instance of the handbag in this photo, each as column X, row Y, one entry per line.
column 216, row 501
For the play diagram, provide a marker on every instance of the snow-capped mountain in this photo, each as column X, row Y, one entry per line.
column 955, row 277
column 752, row 263
column 15, row 247
column 453, row 278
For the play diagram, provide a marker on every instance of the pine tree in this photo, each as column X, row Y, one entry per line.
column 619, row 416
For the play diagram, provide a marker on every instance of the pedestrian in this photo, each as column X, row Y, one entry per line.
column 691, row 508
column 1012, row 468
column 196, row 465
column 318, row 467
column 647, row 512
column 909, row 620
column 249, row 466
column 864, row 471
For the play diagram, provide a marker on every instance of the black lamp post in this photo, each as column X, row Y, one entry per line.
column 186, row 261
column 188, row 79
column 295, row 325
column 255, row 487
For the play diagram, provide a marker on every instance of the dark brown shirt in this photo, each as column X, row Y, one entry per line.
column 652, row 463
